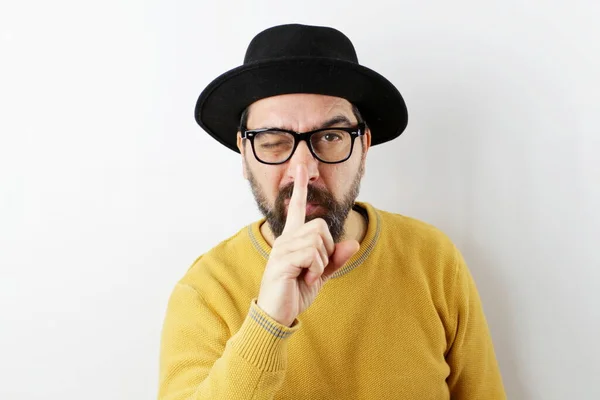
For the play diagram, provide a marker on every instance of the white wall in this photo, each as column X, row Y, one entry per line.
column 109, row 190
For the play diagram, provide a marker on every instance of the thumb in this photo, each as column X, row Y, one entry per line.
column 342, row 253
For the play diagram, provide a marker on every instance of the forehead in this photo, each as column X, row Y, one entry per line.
column 298, row 111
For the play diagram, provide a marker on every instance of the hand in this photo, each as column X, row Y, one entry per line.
column 303, row 258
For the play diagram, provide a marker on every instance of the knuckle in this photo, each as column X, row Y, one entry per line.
column 317, row 256
column 317, row 240
column 324, row 229
column 317, row 223
column 322, row 224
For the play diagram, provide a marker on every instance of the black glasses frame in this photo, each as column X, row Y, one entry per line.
column 354, row 132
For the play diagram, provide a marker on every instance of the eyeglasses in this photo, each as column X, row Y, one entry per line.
column 328, row 145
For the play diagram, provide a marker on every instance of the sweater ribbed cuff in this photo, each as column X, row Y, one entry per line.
column 262, row 341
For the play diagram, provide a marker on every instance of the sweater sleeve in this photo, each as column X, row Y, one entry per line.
column 199, row 359
column 474, row 371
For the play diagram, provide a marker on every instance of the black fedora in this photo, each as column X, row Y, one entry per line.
column 300, row 59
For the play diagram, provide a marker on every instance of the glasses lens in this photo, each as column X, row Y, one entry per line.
column 273, row 146
column 331, row 145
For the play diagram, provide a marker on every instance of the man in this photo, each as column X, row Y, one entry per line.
column 325, row 297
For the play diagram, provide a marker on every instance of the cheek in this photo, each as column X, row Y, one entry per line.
column 336, row 177
column 340, row 177
column 269, row 179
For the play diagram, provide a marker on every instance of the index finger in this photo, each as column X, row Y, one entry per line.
column 297, row 208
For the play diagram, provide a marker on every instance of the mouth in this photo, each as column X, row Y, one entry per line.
column 311, row 208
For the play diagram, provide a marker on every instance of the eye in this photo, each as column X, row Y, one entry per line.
column 273, row 145
column 274, row 141
column 331, row 137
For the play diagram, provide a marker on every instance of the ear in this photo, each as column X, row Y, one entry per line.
column 367, row 141
column 366, row 145
column 240, row 146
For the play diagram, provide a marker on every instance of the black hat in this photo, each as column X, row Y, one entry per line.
column 300, row 59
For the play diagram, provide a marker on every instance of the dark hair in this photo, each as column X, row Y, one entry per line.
column 246, row 112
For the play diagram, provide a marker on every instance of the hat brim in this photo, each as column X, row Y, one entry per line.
column 219, row 106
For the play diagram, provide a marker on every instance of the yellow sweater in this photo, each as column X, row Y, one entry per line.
column 402, row 320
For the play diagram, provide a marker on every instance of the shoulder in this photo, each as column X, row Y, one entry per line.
column 420, row 247
column 414, row 232
column 224, row 263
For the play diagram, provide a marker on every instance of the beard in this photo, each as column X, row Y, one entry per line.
column 332, row 211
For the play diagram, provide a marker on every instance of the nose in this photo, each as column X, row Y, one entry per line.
column 303, row 156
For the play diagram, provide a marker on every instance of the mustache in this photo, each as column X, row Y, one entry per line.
column 314, row 195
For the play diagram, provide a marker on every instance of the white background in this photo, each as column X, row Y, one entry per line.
column 109, row 190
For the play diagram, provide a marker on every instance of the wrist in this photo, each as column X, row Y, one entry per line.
column 274, row 315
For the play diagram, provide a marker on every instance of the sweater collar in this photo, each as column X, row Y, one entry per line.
column 366, row 245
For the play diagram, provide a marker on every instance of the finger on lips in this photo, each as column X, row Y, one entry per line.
column 297, row 207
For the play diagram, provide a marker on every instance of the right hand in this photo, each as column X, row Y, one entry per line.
column 285, row 292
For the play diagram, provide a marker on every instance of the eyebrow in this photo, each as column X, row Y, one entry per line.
column 338, row 119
